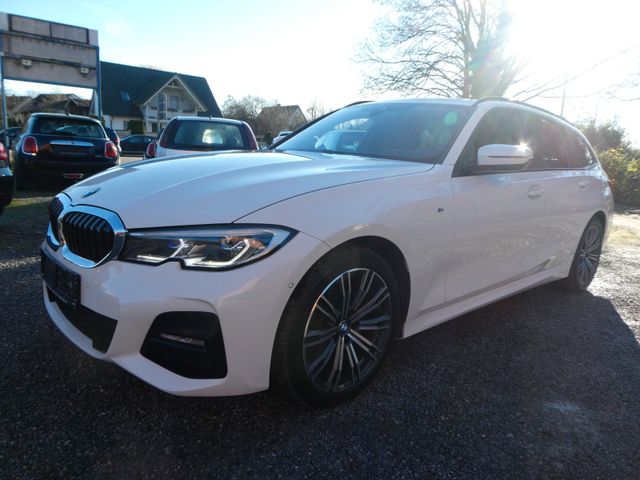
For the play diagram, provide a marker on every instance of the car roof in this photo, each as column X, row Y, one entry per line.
column 434, row 101
column 229, row 121
column 63, row 115
column 138, row 135
column 494, row 101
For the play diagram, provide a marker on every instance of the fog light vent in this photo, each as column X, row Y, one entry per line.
column 187, row 343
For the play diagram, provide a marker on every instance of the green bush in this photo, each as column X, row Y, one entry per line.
column 623, row 168
column 135, row 127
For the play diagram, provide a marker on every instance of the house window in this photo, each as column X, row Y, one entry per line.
column 174, row 101
column 162, row 106
column 125, row 95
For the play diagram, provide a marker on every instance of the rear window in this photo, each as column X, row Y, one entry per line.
column 69, row 127
column 203, row 135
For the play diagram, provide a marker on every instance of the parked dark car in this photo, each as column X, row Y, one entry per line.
column 113, row 136
column 6, row 179
column 62, row 146
column 135, row 144
column 13, row 133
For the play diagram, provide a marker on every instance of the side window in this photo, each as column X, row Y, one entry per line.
column 580, row 155
column 550, row 143
column 498, row 126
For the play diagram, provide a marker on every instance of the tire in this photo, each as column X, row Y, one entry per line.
column 324, row 353
column 587, row 257
column 24, row 180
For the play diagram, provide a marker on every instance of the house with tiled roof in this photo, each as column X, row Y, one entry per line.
column 20, row 107
column 276, row 118
column 150, row 96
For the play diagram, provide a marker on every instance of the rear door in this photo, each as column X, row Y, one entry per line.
column 571, row 190
column 500, row 231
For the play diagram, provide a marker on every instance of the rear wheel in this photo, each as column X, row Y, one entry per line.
column 336, row 328
column 587, row 257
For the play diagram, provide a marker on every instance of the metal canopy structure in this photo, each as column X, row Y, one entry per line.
column 34, row 50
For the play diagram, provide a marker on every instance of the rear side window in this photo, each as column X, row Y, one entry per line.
column 502, row 126
column 580, row 154
column 554, row 145
column 69, row 127
column 547, row 140
column 203, row 135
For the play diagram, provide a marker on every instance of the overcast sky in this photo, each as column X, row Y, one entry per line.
column 295, row 51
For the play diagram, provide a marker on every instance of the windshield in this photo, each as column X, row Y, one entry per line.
column 414, row 131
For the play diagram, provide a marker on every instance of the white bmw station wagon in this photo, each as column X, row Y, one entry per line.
column 224, row 274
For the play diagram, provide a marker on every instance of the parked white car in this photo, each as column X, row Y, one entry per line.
column 297, row 266
column 281, row 136
column 184, row 135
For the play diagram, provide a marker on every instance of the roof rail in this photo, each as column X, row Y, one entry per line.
column 359, row 102
column 491, row 99
column 518, row 102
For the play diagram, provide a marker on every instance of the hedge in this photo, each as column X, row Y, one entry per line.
column 623, row 168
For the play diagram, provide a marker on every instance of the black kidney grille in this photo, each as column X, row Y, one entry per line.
column 87, row 236
column 55, row 208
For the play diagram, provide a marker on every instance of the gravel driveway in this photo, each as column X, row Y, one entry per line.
column 544, row 384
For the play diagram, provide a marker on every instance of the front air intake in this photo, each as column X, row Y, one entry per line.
column 189, row 344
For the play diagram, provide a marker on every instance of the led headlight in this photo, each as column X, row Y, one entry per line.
column 204, row 247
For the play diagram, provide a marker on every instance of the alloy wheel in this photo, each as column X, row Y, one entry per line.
column 347, row 330
column 589, row 254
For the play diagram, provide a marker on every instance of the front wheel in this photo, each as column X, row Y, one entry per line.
column 336, row 328
column 587, row 257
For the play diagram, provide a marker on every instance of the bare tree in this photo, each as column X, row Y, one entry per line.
column 556, row 82
column 316, row 110
column 246, row 108
column 447, row 48
column 628, row 90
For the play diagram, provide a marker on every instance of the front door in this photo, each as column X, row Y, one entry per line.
column 499, row 227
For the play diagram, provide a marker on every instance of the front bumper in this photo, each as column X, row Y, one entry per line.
column 248, row 301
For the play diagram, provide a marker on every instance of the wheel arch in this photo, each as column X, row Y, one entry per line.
column 396, row 259
column 601, row 216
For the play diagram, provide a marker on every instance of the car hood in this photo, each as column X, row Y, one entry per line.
column 221, row 188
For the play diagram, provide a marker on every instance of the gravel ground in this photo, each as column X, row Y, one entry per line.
column 542, row 385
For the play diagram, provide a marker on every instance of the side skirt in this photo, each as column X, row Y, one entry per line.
column 447, row 311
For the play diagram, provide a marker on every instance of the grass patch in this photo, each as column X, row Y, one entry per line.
column 623, row 236
column 24, row 222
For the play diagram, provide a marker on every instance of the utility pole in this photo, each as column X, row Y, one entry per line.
column 5, row 125
column 564, row 93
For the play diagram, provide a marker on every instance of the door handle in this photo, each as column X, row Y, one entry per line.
column 583, row 184
column 535, row 191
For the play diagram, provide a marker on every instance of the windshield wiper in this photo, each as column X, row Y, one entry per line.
column 335, row 152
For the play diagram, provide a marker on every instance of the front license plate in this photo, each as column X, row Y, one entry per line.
column 64, row 283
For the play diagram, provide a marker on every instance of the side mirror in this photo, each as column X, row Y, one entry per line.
column 504, row 156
